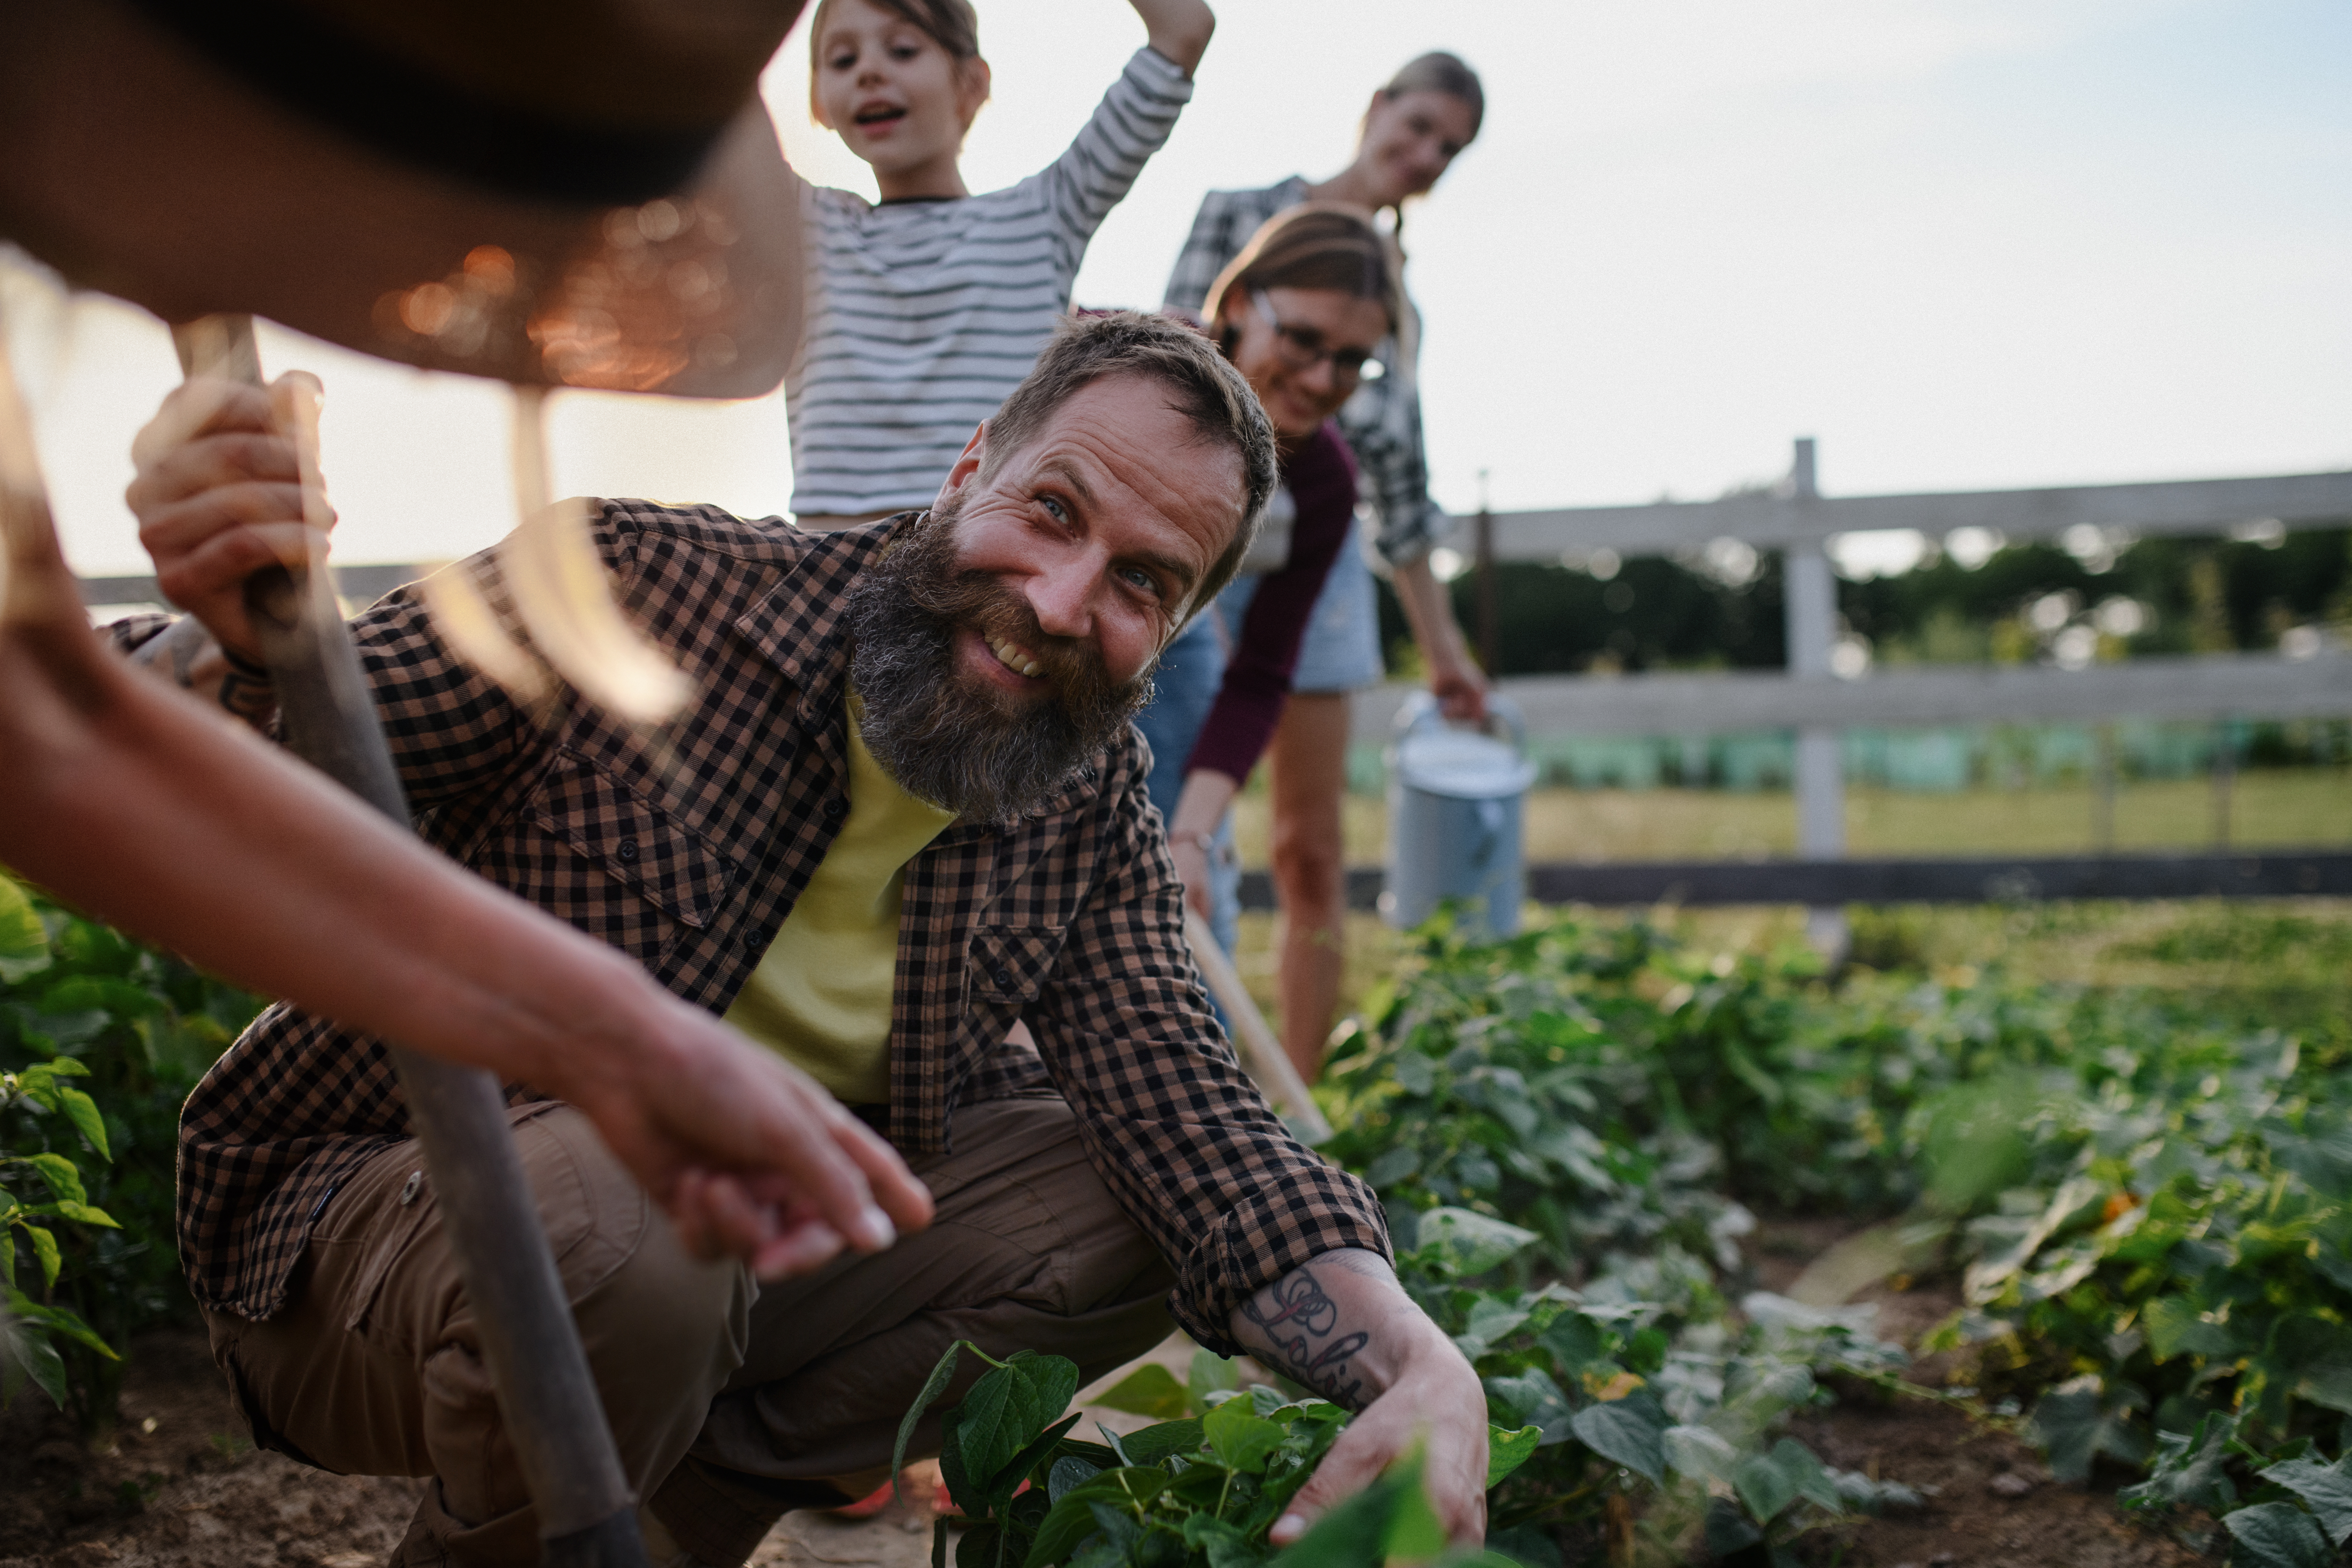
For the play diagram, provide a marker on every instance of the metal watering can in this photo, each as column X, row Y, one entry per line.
column 1456, row 800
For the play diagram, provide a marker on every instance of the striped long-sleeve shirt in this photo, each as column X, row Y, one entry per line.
column 924, row 316
column 1382, row 421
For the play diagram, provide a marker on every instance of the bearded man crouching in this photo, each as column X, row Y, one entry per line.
column 904, row 812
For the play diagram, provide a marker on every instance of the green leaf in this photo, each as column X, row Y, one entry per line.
column 23, row 941
column 1628, row 1431
column 1241, row 1440
column 1223, row 1545
column 30, row 1350
column 1805, row 1471
column 2326, row 1488
column 45, row 1249
column 83, row 1213
column 2188, row 1470
column 2175, row 1327
column 61, row 1176
column 1210, row 1374
column 1072, row 1519
column 57, row 1319
column 2077, row 1421
column 1150, row 1390
column 1575, row 1340
column 1150, row 1445
column 1762, row 1487
column 82, row 1112
column 1464, row 1243
column 1352, row 1535
column 2277, row 1535
column 1506, row 1451
column 934, row 1386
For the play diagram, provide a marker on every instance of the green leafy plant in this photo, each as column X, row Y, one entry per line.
column 32, row 1327
column 1200, row 1489
column 100, row 1041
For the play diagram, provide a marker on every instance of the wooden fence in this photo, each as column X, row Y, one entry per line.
column 1811, row 700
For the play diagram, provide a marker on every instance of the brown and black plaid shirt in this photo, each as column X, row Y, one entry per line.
column 685, row 847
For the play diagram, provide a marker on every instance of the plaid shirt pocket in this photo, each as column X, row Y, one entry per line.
column 1009, row 963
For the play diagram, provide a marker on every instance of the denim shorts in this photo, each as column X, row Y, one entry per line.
column 1341, row 651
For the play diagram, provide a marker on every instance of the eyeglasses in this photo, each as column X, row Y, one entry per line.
column 1301, row 348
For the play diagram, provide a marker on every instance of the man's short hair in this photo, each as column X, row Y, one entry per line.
column 1209, row 392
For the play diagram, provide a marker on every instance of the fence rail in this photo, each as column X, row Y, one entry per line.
column 2270, row 873
column 2213, row 686
column 2175, row 506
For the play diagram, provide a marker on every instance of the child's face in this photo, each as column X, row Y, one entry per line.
column 890, row 91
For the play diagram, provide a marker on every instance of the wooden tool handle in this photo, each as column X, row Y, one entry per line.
column 546, row 1396
column 1261, row 1053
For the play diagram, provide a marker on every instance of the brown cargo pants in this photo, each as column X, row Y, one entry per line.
column 731, row 1402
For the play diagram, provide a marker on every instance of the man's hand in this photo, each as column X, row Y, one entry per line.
column 1342, row 1325
column 220, row 494
column 751, row 1157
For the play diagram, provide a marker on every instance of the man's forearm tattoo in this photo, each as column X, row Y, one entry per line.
column 1300, row 1324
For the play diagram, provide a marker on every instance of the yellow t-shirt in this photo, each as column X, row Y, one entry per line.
column 821, row 996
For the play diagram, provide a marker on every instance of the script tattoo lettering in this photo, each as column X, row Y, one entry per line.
column 1298, row 1320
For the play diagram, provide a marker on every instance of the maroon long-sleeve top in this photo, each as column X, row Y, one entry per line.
column 1322, row 477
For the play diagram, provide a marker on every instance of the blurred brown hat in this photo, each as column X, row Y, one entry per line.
column 573, row 193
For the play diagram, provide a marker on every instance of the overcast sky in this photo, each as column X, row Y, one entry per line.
column 1966, row 244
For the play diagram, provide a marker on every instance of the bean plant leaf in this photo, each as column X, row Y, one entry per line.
column 1209, row 1374
column 1151, row 1445
column 2190, row 1470
column 1150, row 1390
column 2326, row 1488
column 2077, row 1421
column 1506, row 1451
column 1464, row 1243
column 1072, row 1518
column 2175, row 1327
column 2277, row 1535
column 1241, row 1439
column 1763, row 1486
column 942, row 1373
column 1629, row 1432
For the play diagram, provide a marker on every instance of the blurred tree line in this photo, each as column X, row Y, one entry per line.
column 2023, row 603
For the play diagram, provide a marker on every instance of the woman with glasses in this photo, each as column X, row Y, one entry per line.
column 1415, row 125
column 1301, row 312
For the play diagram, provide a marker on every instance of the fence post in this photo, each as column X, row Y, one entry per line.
column 2225, row 775
column 1489, row 635
column 1810, row 597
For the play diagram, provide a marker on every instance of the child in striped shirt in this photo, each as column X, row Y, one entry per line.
column 927, row 309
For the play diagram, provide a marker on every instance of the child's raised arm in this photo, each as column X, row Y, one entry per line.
column 1179, row 29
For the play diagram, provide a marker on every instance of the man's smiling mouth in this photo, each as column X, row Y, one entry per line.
column 1014, row 656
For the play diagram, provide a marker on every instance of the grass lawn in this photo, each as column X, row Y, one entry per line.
column 2298, row 808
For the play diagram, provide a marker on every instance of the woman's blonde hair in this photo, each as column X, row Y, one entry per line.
column 1318, row 244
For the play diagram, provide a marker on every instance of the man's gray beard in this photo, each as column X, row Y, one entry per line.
column 974, row 752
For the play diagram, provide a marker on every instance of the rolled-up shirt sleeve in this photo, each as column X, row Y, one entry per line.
column 1182, row 1137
